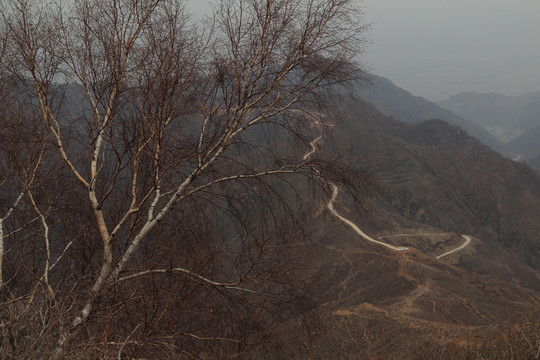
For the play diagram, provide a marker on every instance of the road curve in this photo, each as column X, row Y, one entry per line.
column 313, row 148
column 464, row 245
column 330, row 206
column 335, row 191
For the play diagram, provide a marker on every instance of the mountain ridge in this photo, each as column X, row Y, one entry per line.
column 506, row 117
column 396, row 102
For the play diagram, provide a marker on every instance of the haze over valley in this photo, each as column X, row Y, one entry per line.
column 250, row 185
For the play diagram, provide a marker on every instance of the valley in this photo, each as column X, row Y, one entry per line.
column 240, row 185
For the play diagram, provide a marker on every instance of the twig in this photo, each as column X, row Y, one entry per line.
column 126, row 341
column 191, row 275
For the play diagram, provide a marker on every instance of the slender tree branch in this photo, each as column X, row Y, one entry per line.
column 189, row 274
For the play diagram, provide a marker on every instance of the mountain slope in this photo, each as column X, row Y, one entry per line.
column 527, row 146
column 402, row 105
column 435, row 184
column 505, row 116
column 445, row 178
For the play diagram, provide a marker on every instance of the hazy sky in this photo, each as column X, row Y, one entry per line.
column 437, row 48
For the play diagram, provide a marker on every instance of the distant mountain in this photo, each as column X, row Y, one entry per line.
column 504, row 116
column 534, row 162
column 398, row 103
column 526, row 147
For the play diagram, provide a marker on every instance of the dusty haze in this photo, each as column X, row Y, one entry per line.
column 439, row 48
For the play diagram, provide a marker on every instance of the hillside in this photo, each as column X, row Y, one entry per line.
column 527, row 147
column 398, row 103
column 436, row 183
column 503, row 116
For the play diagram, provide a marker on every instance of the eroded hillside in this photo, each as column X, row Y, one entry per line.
column 435, row 184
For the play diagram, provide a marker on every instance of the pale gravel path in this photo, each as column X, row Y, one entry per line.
column 464, row 245
column 335, row 191
column 330, row 206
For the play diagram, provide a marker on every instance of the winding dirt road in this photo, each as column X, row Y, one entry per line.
column 464, row 245
column 330, row 206
column 313, row 148
column 335, row 191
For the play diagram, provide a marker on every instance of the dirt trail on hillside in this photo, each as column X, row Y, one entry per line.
column 335, row 191
column 464, row 245
column 330, row 206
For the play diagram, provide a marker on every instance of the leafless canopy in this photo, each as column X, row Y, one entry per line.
column 157, row 167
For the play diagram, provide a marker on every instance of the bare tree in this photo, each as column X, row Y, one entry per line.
column 181, row 140
column 21, row 153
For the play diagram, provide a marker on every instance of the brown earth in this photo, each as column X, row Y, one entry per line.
column 436, row 183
